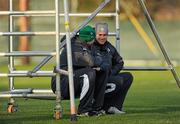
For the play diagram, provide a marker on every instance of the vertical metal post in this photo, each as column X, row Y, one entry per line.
column 10, row 49
column 69, row 57
column 153, row 28
column 58, row 108
column 117, row 27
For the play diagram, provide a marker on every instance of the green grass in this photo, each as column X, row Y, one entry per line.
column 153, row 99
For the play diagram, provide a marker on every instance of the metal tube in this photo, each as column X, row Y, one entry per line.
column 117, row 27
column 37, row 74
column 10, row 47
column 60, row 71
column 137, row 68
column 58, row 107
column 69, row 58
column 39, row 33
column 164, row 52
column 27, row 75
column 38, row 67
column 34, row 96
column 50, row 73
column 24, row 71
column 44, row 61
column 23, row 13
column 42, row 91
column 27, row 33
column 30, row 90
column 28, row 53
column 52, row 13
column 20, row 91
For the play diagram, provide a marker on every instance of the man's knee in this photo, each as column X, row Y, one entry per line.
column 126, row 76
column 129, row 77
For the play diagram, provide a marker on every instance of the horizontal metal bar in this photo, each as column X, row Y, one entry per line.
column 22, row 73
column 27, row 75
column 28, row 53
column 27, row 33
column 112, row 34
column 71, row 15
column 88, row 14
column 33, row 96
column 26, row 71
column 29, row 90
column 60, row 71
column 51, row 13
column 42, row 91
column 18, row 91
column 146, row 68
column 51, row 74
column 39, row 33
column 26, row 12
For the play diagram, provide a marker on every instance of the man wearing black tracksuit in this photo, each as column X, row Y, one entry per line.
column 118, row 83
column 89, row 84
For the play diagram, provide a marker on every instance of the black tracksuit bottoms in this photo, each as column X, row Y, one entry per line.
column 87, row 87
column 116, row 90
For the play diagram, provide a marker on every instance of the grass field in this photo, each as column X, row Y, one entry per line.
column 154, row 98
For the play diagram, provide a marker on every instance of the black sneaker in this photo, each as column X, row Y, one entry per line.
column 97, row 113
column 85, row 114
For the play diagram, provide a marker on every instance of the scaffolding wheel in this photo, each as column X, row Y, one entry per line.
column 57, row 115
column 12, row 108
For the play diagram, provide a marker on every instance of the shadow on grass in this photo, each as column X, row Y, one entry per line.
column 30, row 118
column 153, row 109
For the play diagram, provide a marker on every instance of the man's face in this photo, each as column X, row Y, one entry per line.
column 101, row 37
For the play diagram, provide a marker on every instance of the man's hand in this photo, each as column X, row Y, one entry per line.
column 97, row 68
column 105, row 67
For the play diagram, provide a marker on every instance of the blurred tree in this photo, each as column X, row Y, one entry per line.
column 73, row 9
column 159, row 9
column 23, row 22
column 91, row 5
column 74, row 5
column 164, row 9
column 3, row 5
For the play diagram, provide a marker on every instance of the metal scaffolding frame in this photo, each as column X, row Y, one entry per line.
column 43, row 93
column 47, row 94
column 160, row 43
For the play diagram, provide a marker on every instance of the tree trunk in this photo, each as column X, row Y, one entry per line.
column 74, row 9
column 23, row 21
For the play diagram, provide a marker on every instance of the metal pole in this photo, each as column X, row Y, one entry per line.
column 153, row 28
column 27, row 95
column 69, row 58
column 10, row 47
column 11, row 59
column 28, row 53
column 47, row 33
column 117, row 27
column 51, row 13
column 44, row 61
column 58, row 108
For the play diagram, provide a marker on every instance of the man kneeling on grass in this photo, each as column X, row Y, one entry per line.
column 89, row 84
column 118, row 82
